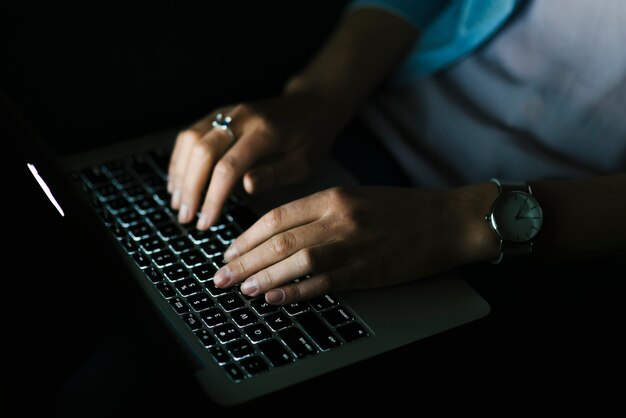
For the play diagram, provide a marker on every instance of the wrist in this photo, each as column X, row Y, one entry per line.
column 474, row 242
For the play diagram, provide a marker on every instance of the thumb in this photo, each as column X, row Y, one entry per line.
column 286, row 170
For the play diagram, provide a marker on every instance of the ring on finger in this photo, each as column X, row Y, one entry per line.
column 222, row 122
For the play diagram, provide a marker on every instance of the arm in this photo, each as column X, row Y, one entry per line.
column 362, row 52
column 352, row 238
column 276, row 140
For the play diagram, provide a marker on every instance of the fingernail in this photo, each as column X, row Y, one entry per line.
column 176, row 199
column 170, row 186
column 230, row 253
column 222, row 277
column 183, row 215
column 203, row 222
column 275, row 296
column 250, row 287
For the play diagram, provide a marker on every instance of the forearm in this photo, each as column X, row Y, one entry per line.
column 583, row 218
column 361, row 53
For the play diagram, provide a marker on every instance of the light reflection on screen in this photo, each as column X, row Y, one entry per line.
column 45, row 188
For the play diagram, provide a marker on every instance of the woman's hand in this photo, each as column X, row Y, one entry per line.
column 276, row 142
column 358, row 238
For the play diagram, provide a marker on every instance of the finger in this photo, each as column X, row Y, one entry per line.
column 276, row 249
column 283, row 218
column 306, row 261
column 287, row 170
column 317, row 285
column 246, row 151
column 182, row 148
column 202, row 157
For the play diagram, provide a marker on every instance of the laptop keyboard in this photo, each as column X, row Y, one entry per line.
column 245, row 336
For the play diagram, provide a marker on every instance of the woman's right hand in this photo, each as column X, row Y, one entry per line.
column 276, row 142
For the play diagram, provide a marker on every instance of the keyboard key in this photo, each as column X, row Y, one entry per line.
column 258, row 332
column 166, row 290
column 243, row 317
column 318, row 331
column 123, row 179
column 200, row 301
column 215, row 291
column 275, row 352
column 198, row 236
column 163, row 258
column 352, row 332
column 193, row 258
column 234, row 372
column 146, row 204
column 240, row 348
column 337, row 316
column 158, row 217
column 219, row 354
column 254, row 365
column 152, row 244
column 140, row 231
column 153, row 274
column 181, row 244
column 213, row 317
column 187, row 287
column 179, row 305
column 230, row 302
column 262, row 307
column 107, row 191
column 117, row 205
column 106, row 216
column 114, row 167
column 153, row 181
column 175, row 272
column 323, row 302
column 295, row 308
column 94, row 176
column 226, row 333
column 169, row 230
column 212, row 247
column 297, row 342
column 117, row 230
column 141, row 259
column 204, row 335
column 204, row 272
column 128, row 218
column 278, row 321
column 135, row 192
column 227, row 234
column 129, row 245
column 192, row 321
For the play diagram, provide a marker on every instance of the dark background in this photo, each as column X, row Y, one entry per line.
column 109, row 71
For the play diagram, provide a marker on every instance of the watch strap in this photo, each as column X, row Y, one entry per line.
column 517, row 251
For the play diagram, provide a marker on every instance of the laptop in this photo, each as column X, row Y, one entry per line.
column 241, row 348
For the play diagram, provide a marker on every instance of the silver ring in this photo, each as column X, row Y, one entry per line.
column 222, row 122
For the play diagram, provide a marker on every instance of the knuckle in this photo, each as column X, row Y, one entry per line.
column 226, row 167
column 325, row 284
column 306, row 259
column 239, row 267
column 267, row 281
column 296, row 294
column 202, row 149
column 339, row 196
column 188, row 135
column 274, row 218
column 283, row 244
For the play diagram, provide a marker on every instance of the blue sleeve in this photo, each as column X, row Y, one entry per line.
column 449, row 29
column 417, row 12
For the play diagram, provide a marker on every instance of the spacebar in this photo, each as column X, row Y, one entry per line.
column 320, row 333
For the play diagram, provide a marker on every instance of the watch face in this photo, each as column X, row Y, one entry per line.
column 516, row 216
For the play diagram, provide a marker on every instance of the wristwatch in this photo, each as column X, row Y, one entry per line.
column 516, row 218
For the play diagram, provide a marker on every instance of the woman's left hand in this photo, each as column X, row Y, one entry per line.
column 358, row 238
